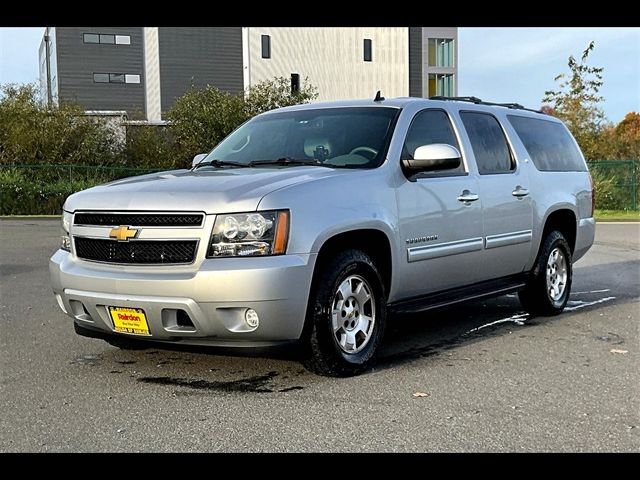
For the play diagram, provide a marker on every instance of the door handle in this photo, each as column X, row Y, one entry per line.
column 520, row 192
column 467, row 197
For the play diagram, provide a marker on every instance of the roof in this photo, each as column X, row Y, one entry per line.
column 401, row 102
column 390, row 102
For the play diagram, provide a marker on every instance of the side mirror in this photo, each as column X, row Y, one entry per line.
column 434, row 157
column 197, row 159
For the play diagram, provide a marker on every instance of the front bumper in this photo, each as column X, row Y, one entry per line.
column 215, row 297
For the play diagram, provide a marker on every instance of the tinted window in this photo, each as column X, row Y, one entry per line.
column 132, row 78
column 123, row 40
column 116, row 77
column 353, row 137
column 107, row 38
column 91, row 38
column 295, row 83
column 368, row 54
column 549, row 144
column 427, row 127
column 488, row 143
column 266, row 46
column 101, row 77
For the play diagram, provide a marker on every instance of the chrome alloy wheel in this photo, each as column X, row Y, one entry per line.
column 353, row 314
column 556, row 274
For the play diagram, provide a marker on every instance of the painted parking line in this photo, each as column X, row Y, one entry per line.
column 521, row 318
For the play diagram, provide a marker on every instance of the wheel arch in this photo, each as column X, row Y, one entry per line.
column 564, row 220
column 372, row 241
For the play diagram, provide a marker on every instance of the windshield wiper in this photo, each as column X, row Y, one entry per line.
column 219, row 164
column 289, row 161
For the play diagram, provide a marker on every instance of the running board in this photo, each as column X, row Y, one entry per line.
column 445, row 298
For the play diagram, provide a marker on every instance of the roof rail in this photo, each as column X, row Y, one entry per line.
column 477, row 101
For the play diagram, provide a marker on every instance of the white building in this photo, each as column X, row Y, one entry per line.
column 144, row 69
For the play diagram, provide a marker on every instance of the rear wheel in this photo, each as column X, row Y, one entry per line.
column 347, row 316
column 547, row 291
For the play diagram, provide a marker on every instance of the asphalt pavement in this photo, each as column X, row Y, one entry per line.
column 490, row 378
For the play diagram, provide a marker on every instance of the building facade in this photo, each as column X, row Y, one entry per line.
column 142, row 70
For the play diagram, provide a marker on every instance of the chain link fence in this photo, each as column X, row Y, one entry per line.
column 44, row 172
column 42, row 188
column 616, row 184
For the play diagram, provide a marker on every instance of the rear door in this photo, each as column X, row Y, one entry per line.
column 440, row 217
column 504, row 193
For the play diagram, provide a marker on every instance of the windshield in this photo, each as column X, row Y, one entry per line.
column 354, row 137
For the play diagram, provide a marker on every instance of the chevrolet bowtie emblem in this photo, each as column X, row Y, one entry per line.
column 123, row 233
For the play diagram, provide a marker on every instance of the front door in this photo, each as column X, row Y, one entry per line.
column 504, row 195
column 440, row 216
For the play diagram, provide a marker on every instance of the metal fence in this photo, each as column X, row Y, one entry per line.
column 616, row 184
column 44, row 172
column 616, row 180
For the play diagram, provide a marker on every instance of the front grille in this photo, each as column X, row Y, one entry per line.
column 136, row 252
column 140, row 219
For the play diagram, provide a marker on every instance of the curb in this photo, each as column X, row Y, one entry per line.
column 29, row 217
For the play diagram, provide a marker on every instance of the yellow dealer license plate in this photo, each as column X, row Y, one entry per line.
column 129, row 320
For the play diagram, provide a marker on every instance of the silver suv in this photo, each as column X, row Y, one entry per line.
column 318, row 223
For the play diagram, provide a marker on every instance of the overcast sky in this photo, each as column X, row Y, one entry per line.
column 498, row 64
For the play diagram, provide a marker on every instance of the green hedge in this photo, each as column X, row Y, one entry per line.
column 34, row 199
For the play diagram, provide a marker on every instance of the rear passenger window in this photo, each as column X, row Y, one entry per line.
column 549, row 144
column 488, row 143
column 427, row 127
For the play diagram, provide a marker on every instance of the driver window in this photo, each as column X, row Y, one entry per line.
column 427, row 127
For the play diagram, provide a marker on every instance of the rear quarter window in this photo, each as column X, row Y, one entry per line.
column 549, row 144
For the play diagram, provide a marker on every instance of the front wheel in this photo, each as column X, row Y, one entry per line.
column 548, row 288
column 347, row 315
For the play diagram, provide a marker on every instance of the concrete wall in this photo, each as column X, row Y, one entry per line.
column 333, row 59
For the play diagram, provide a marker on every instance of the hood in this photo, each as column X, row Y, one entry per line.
column 205, row 190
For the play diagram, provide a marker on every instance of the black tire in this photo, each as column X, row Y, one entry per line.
column 324, row 355
column 535, row 297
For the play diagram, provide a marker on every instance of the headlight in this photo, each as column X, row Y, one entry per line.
column 66, row 220
column 65, row 241
column 250, row 234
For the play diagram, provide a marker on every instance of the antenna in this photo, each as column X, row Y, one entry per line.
column 378, row 97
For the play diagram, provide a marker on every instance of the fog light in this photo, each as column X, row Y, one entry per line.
column 251, row 317
column 65, row 243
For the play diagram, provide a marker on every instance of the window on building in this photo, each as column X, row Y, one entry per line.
column 488, row 143
column 111, row 39
column 441, row 84
column 91, row 38
column 266, row 46
column 106, row 38
column 116, row 78
column 123, row 40
column 101, row 77
column 428, row 127
column 440, row 52
column 368, row 50
column 295, row 83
